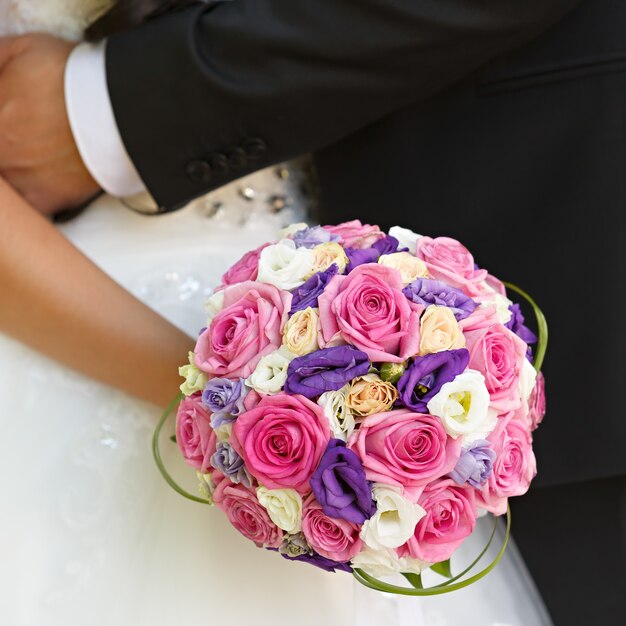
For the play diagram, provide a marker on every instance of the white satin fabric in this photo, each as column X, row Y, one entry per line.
column 91, row 534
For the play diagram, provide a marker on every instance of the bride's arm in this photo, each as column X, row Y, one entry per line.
column 57, row 301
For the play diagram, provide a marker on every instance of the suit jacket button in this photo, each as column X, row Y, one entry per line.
column 199, row 171
column 237, row 158
column 219, row 164
column 254, row 147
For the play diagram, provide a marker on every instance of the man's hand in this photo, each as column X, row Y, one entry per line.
column 38, row 155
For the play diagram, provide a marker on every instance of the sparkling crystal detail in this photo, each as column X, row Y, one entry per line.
column 278, row 202
column 247, row 193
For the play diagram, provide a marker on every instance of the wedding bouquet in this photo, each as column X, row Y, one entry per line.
column 357, row 398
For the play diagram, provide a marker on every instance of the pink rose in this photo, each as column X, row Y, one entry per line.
column 404, row 448
column 368, row 310
column 334, row 538
column 246, row 513
column 481, row 317
column 514, row 467
column 247, row 268
column 450, row 261
column 248, row 327
column 498, row 354
column 194, row 435
column 252, row 398
column 356, row 235
column 537, row 402
column 491, row 285
column 450, row 518
column 282, row 440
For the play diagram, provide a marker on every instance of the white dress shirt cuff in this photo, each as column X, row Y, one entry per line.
column 93, row 123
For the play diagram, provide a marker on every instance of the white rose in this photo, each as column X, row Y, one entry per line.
column 270, row 374
column 195, row 380
column 377, row 563
column 284, row 506
column 502, row 304
column 285, row 266
column 340, row 417
column 406, row 238
column 409, row 565
column 214, row 305
column 463, row 406
column 527, row 380
column 409, row 266
column 291, row 229
column 394, row 521
column 300, row 332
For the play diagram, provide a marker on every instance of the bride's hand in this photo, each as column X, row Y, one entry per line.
column 38, row 155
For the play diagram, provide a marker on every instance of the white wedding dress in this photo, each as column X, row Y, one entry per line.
column 89, row 531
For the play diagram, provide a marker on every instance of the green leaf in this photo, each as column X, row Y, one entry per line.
column 415, row 580
column 442, row 568
column 173, row 438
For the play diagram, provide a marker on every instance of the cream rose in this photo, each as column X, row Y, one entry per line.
column 406, row 238
column 195, row 380
column 411, row 268
column 270, row 374
column 285, row 266
column 300, row 332
column 394, row 521
column 325, row 254
column 370, row 394
column 284, row 506
column 463, row 406
column 340, row 417
column 439, row 330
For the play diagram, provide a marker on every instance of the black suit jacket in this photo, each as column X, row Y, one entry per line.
column 207, row 94
column 525, row 162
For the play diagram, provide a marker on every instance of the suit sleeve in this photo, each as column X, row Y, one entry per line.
column 212, row 92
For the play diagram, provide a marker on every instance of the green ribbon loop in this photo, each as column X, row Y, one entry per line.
column 542, row 326
column 454, row 584
column 156, row 452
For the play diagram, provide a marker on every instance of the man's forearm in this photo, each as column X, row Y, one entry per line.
column 209, row 94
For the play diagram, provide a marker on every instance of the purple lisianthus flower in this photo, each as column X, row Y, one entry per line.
column 321, row 561
column 423, row 379
column 311, row 237
column 516, row 324
column 386, row 245
column 231, row 464
column 224, row 396
column 340, row 486
column 427, row 291
column 306, row 295
column 358, row 256
column 475, row 464
column 325, row 370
